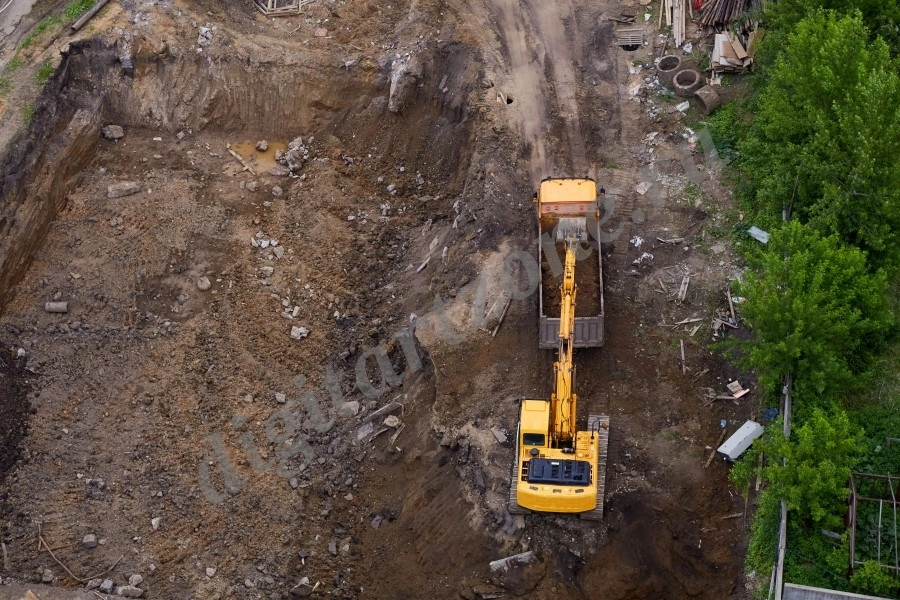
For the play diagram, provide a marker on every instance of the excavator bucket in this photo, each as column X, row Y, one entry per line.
column 571, row 226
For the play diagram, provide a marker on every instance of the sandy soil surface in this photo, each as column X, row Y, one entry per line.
column 212, row 406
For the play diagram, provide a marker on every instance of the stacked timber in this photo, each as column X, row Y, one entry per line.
column 674, row 12
column 722, row 12
column 729, row 55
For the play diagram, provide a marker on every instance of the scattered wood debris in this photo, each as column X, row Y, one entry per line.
column 682, row 291
column 715, row 446
column 241, row 160
column 736, row 389
column 729, row 55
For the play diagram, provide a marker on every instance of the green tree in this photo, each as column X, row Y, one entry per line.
column 882, row 17
column 811, row 469
column 816, row 311
column 826, row 136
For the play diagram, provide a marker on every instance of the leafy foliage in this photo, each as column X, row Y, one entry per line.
column 871, row 578
column 817, row 313
column 763, row 546
column 827, row 133
column 882, row 17
column 811, row 470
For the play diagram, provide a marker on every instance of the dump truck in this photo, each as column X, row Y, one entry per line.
column 558, row 468
column 570, row 204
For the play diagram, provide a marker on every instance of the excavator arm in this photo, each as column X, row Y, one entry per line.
column 563, row 400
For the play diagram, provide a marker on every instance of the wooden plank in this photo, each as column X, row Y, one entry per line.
column 686, row 321
column 683, row 367
column 731, row 305
column 737, row 46
column 682, row 291
column 782, row 544
column 715, row 446
column 241, row 160
column 759, row 471
column 502, row 316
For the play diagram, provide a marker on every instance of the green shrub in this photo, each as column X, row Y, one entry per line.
column 44, row 72
column 77, row 7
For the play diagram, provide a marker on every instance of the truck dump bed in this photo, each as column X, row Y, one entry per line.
column 566, row 202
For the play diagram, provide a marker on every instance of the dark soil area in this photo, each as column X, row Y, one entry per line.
column 14, row 408
column 587, row 282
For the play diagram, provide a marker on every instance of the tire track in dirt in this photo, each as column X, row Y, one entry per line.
column 538, row 40
column 554, row 25
column 526, row 74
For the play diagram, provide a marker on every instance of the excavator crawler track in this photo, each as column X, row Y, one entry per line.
column 599, row 423
column 514, row 508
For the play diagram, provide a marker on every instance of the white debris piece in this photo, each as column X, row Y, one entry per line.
column 643, row 187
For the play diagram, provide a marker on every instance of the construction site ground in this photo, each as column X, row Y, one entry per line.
column 217, row 456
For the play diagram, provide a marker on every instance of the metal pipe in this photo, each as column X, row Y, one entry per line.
column 88, row 15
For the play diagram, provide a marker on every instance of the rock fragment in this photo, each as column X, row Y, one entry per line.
column 122, row 189
column 89, row 541
column 203, row 284
column 349, row 409
column 56, row 307
column 129, row 591
column 113, row 132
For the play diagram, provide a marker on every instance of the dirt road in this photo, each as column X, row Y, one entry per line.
column 11, row 13
column 179, row 413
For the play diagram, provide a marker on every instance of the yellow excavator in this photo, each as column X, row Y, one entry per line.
column 557, row 468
